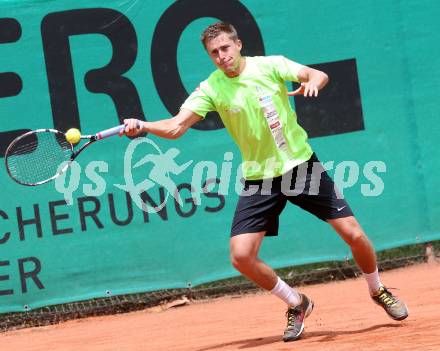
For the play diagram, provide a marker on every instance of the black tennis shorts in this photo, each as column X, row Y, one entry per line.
column 307, row 185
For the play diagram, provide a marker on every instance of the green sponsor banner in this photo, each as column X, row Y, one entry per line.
column 89, row 64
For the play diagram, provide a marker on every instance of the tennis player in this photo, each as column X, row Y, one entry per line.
column 279, row 165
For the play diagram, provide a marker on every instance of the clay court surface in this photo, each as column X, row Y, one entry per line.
column 343, row 319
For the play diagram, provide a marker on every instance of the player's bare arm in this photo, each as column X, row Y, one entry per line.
column 171, row 128
column 312, row 80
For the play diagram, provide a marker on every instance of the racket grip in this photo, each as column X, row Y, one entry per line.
column 109, row 132
column 112, row 131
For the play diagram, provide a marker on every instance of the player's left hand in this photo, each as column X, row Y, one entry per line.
column 308, row 89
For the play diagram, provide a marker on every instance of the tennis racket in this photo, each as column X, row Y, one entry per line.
column 35, row 157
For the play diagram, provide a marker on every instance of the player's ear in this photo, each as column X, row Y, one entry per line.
column 239, row 44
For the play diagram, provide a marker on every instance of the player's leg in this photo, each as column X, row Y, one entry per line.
column 256, row 216
column 364, row 255
column 244, row 257
column 321, row 198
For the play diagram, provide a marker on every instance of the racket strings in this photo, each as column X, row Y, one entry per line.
column 38, row 156
column 25, row 149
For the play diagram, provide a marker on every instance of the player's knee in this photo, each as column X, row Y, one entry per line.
column 356, row 237
column 241, row 259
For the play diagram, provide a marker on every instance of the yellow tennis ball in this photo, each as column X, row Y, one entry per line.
column 73, row 136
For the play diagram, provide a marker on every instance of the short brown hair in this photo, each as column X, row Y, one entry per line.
column 214, row 30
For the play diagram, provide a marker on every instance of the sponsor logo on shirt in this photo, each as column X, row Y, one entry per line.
column 274, row 125
column 233, row 109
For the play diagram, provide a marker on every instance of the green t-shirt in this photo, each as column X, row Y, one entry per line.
column 255, row 109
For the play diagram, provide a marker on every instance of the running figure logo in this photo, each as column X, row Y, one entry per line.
column 163, row 164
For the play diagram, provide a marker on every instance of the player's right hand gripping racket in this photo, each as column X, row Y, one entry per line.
column 34, row 158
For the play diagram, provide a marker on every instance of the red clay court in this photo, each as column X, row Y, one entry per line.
column 344, row 319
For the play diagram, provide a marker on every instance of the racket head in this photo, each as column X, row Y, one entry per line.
column 34, row 158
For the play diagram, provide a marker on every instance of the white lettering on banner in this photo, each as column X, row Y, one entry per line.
column 165, row 165
column 367, row 189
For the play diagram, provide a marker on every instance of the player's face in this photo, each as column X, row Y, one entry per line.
column 225, row 53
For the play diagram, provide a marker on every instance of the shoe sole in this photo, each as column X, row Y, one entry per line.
column 400, row 318
column 392, row 317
